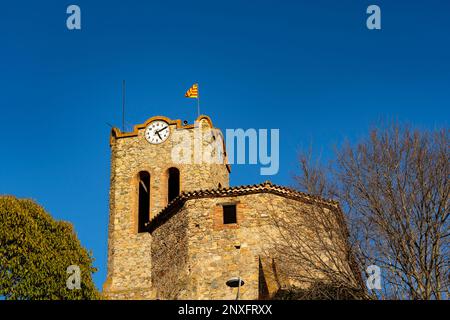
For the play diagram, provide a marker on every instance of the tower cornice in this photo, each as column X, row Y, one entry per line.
column 116, row 133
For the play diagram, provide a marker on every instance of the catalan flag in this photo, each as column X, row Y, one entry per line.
column 192, row 92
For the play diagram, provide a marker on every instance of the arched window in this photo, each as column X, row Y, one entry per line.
column 144, row 200
column 173, row 183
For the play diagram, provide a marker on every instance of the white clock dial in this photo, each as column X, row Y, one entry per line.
column 157, row 132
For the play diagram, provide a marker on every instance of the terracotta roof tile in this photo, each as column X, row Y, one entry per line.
column 266, row 187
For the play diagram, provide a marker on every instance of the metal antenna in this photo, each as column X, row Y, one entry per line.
column 123, row 105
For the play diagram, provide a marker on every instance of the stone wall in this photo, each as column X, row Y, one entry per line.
column 170, row 253
column 218, row 252
column 129, row 252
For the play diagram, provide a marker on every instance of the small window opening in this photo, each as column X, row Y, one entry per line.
column 229, row 214
column 174, row 184
column 144, row 201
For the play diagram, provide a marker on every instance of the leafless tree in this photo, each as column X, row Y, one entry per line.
column 310, row 253
column 394, row 188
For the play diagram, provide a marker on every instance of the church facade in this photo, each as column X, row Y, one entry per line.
column 177, row 230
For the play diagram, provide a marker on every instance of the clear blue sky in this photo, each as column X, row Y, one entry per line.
column 310, row 68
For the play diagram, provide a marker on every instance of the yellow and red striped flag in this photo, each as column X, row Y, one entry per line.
column 192, row 92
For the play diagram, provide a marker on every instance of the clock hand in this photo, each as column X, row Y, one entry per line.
column 157, row 132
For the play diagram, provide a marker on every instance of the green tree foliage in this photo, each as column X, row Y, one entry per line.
column 35, row 252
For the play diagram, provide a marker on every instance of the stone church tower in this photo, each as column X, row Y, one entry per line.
column 144, row 179
column 176, row 227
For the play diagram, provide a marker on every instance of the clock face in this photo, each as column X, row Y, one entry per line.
column 157, row 132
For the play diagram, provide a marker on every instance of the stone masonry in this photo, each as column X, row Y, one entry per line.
column 188, row 252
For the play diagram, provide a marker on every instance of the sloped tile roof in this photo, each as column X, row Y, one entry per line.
column 266, row 187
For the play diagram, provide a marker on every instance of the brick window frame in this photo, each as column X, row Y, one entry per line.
column 217, row 214
column 229, row 214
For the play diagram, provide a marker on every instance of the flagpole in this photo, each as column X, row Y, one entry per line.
column 198, row 101
column 123, row 105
